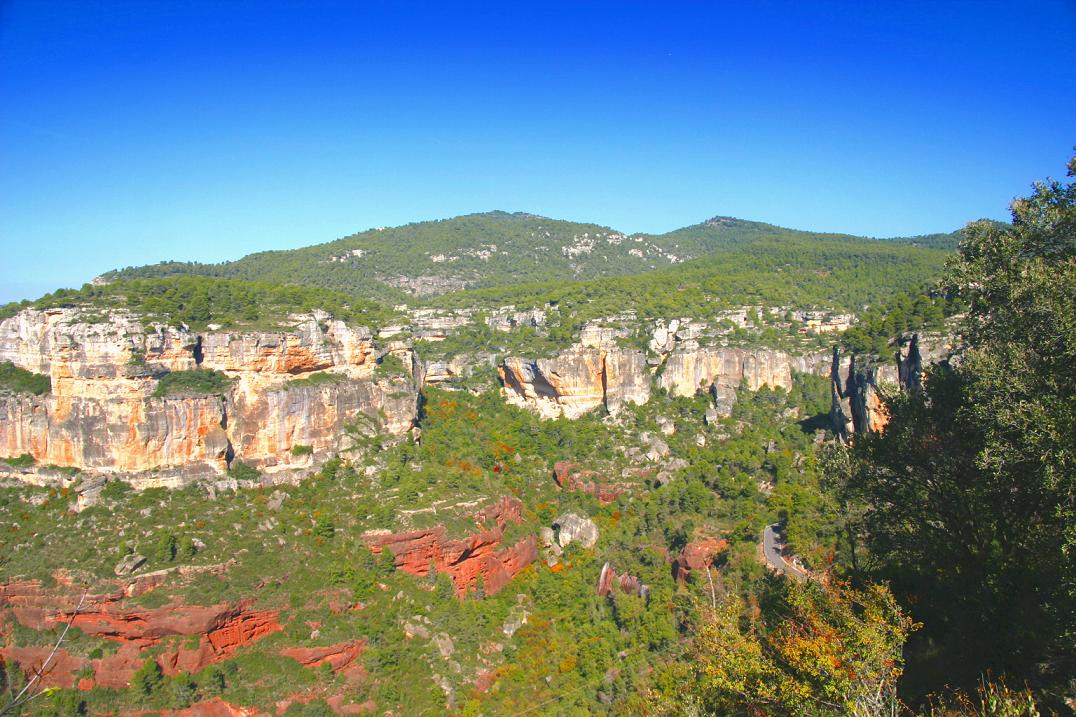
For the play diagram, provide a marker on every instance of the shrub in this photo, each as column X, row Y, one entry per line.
column 301, row 450
column 148, row 679
column 324, row 528
column 243, row 471
column 165, row 550
column 184, row 689
column 24, row 461
column 186, row 547
column 17, row 380
column 199, row 382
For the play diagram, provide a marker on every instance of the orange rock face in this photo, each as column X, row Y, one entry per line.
column 221, row 629
column 464, row 559
column 697, row 555
column 340, row 657
column 101, row 413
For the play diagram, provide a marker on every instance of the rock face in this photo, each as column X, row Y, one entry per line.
column 697, row 555
column 580, row 380
column 466, row 559
column 572, row 528
column 220, row 631
column 577, row 381
column 722, row 370
column 101, row 414
column 628, row 584
column 857, row 403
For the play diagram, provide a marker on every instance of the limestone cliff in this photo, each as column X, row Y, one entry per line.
column 857, row 381
column 577, row 381
column 101, row 413
column 581, row 379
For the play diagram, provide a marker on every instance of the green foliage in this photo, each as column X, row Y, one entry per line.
column 17, row 380
column 324, row 528
column 390, row 365
column 198, row 301
column 148, row 679
column 905, row 313
column 243, row 471
column 197, row 382
column 969, row 491
column 187, row 549
column 23, row 461
column 811, row 651
column 183, row 689
column 164, row 551
column 319, row 378
column 498, row 249
column 301, row 450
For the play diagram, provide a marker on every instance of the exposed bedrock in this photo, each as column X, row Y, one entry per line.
column 579, row 380
column 479, row 555
column 101, row 413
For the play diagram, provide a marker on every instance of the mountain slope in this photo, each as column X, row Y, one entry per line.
column 494, row 249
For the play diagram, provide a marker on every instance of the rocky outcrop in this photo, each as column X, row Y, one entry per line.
column 465, row 560
column 577, row 381
column 584, row 378
column 101, row 414
column 628, row 584
column 697, row 555
column 220, row 631
column 573, row 528
column 340, row 657
column 857, row 403
column 722, row 370
column 570, row 477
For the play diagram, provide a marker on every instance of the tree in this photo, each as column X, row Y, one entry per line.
column 812, row 650
column 165, row 550
column 970, row 487
column 148, row 679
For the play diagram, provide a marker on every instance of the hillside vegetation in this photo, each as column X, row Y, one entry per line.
column 499, row 249
column 198, row 301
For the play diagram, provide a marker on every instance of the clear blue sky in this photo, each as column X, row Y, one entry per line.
column 134, row 131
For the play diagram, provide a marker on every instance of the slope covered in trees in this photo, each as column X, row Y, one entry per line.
column 499, row 249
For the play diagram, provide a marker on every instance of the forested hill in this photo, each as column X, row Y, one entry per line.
column 498, row 249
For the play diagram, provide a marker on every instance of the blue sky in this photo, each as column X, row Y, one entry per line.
column 132, row 132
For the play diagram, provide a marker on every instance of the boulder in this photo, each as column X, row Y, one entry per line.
column 571, row 527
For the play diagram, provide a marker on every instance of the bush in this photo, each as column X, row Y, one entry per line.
column 324, row 528
column 17, row 380
column 184, row 690
column 165, row 551
column 24, row 461
column 148, row 679
column 243, row 471
column 199, row 382
column 301, row 450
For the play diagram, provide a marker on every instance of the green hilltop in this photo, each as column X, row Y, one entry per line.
column 501, row 249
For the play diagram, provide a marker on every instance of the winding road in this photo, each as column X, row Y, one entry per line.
column 771, row 551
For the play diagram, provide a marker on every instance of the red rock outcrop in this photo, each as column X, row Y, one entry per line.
column 340, row 657
column 697, row 555
column 221, row 629
column 466, row 559
column 568, row 477
column 215, row 707
column 628, row 584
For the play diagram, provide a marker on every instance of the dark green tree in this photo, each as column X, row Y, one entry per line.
column 970, row 487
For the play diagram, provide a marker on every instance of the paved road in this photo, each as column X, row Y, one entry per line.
column 771, row 550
